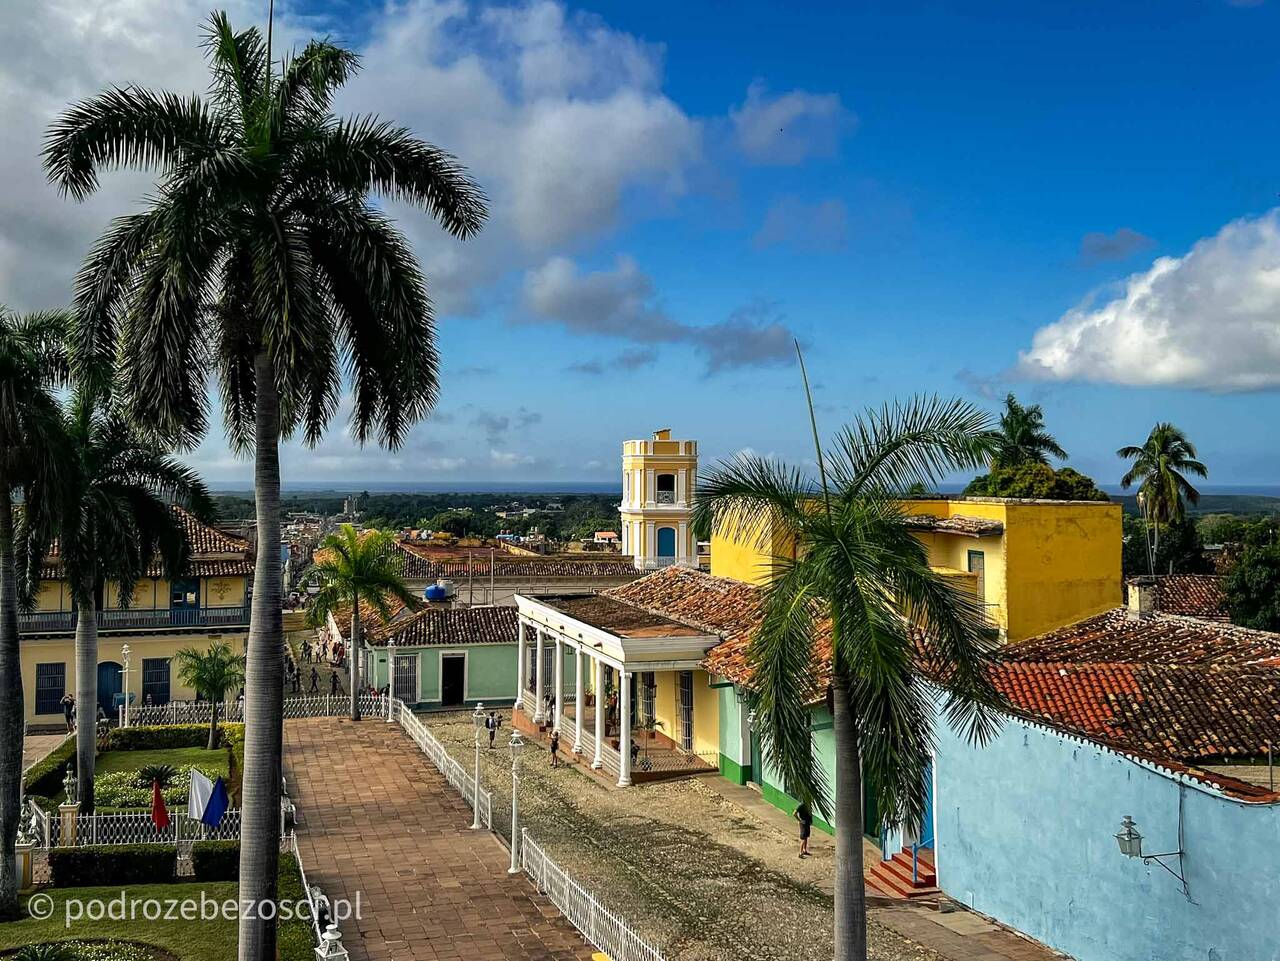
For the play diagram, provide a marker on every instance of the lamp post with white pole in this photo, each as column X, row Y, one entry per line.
column 516, row 745
column 124, row 681
column 391, row 675
column 477, row 721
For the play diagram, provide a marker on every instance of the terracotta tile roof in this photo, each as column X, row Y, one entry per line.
column 1194, row 595
column 1117, row 636
column 955, row 524
column 716, row 605
column 1180, row 712
column 422, row 563
column 619, row 617
column 447, row 626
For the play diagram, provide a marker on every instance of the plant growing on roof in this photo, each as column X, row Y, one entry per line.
column 261, row 261
column 32, row 367
column 861, row 574
column 212, row 672
column 354, row 568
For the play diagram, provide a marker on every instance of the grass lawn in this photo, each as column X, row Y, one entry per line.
column 195, row 940
column 215, row 760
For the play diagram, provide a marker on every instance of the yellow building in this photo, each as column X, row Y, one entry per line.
column 1037, row 565
column 210, row 603
column 658, row 480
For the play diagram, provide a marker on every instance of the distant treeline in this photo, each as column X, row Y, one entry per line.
column 1238, row 504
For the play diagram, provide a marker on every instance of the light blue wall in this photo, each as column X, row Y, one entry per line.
column 1025, row 833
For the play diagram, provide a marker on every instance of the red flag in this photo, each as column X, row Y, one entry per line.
column 159, row 813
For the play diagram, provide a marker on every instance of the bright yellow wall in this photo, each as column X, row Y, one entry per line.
column 706, row 715
column 223, row 591
column 1063, row 564
column 148, row 594
column 53, row 596
column 750, row 555
column 62, row 650
column 666, row 703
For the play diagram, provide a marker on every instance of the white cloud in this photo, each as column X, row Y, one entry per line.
column 1208, row 319
column 789, row 128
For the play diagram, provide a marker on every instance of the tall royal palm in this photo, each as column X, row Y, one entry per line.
column 354, row 569
column 862, row 579
column 262, row 261
column 1159, row 468
column 30, row 369
column 1022, row 438
column 116, row 524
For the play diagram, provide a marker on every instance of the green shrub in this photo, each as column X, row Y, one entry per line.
column 123, row 789
column 45, row 776
column 85, row 951
column 115, row 864
column 216, row 860
column 157, row 738
column 233, row 738
column 294, row 938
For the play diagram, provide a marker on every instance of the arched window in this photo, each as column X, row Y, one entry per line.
column 666, row 542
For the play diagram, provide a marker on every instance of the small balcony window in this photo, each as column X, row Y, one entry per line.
column 666, row 489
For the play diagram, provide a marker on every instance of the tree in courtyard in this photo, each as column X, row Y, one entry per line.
column 260, row 261
column 1022, row 438
column 31, row 368
column 354, row 568
column 114, row 523
column 213, row 673
column 1160, row 468
column 894, row 623
column 1038, row 481
column 1252, row 589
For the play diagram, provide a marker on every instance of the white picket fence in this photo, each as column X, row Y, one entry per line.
column 197, row 712
column 463, row 782
column 598, row 924
column 134, row 827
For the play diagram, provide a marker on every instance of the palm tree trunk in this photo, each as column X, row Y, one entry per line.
column 12, row 709
column 213, row 722
column 264, row 686
column 850, row 888
column 86, row 699
column 354, row 656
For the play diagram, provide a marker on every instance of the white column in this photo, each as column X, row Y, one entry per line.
column 597, row 683
column 579, row 702
column 682, row 495
column 624, row 725
column 683, row 548
column 539, row 714
column 519, row 664
column 559, row 675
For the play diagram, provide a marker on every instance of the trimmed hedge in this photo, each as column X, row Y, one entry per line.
column 157, row 738
column 294, row 941
column 45, row 776
column 99, row 865
column 216, row 860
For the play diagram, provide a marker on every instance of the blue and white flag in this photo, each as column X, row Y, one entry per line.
column 208, row 800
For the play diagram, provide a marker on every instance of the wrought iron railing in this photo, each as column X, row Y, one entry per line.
column 136, row 619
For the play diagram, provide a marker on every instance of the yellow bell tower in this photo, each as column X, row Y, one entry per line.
column 658, row 480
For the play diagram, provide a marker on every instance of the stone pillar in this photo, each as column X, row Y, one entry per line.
column 519, row 665
column 579, row 701
column 67, row 814
column 558, row 672
column 539, row 715
column 624, row 727
column 23, row 856
column 597, row 682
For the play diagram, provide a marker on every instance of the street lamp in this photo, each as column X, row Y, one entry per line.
column 1130, row 841
column 516, row 745
column 391, row 675
column 477, row 721
column 124, row 682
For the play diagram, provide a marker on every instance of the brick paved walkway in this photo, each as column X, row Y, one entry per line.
column 377, row 818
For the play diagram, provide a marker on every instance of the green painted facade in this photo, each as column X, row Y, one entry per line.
column 490, row 673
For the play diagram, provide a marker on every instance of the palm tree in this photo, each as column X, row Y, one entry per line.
column 115, row 522
column 353, row 569
column 261, row 261
column 1160, row 465
column 861, row 578
column 1022, row 438
column 31, row 367
column 211, row 672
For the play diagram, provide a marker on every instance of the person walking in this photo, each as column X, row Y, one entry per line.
column 68, row 711
column 493, row 722
column 555, row 748
column 804, row 814
column 315, row 681
column 334, row 687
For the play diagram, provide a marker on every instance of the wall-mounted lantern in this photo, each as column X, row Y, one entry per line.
column 1130, row 841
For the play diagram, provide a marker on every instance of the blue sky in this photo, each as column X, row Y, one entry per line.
column 1068, row 201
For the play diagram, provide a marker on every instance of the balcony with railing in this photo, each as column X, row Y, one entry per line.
column 136, row 619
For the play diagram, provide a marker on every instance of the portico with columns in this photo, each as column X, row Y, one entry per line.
column 588, row 666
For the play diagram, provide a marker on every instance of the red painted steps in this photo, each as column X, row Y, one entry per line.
column 893, row 877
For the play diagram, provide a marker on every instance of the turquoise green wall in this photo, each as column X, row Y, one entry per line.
column 491, row 671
